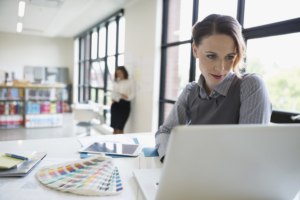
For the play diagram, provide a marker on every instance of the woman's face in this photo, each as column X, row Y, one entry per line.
column 216, row 54
column 120, row 74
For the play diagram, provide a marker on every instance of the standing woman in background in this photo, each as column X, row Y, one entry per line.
column 120, row 110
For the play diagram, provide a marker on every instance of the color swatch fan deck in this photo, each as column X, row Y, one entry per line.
column 95, row 176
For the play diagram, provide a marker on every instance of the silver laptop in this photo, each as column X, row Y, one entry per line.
column 227, row 162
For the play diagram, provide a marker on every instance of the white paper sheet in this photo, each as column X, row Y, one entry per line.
column 147, row 140
column 106, row 138
column 115, row 96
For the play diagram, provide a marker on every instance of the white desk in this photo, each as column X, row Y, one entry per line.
column 62, row 150
column 91, row 106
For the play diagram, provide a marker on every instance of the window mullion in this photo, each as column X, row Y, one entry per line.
column 84, row 67
column 106, row 66
column 90, row 64
column 163, row 60
column 98, row 40
column 192, row 58
column 79, row 66
column 241, row 12
column 274, row 29
column 96, row 99
column 117, row 42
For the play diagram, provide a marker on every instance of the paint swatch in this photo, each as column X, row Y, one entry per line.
column 94, row 176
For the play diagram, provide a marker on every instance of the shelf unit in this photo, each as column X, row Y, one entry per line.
column 31, row 106
column 11, row 107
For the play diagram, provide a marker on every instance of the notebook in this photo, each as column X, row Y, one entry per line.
column 24, row 167
column 7, row 162
column 227, row 162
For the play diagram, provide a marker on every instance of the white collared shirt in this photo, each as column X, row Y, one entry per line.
column 125, row 87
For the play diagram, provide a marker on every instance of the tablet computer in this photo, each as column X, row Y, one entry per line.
column 112, row 148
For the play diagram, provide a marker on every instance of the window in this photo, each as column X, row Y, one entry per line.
column 94, row 44
column 228, row 7
column 179, row 25
column 256, row 15
column 177, row 75
column 101, row 51
column 272, row 40
column 276, row 59
column 102, row 42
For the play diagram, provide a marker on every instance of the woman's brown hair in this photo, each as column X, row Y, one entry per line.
column 123, row 70
column 222, row 24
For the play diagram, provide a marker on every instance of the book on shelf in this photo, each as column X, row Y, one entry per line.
column 11, row 93
column 11, row 121
column 46, row 120
column 46, row 94
column 66, row 107
column 11, row 107
column 59, row 107
column 53, row 108
column 43, row 107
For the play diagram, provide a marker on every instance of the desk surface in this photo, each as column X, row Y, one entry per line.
column 90, row 106
column 31, row 85
column 63, row 150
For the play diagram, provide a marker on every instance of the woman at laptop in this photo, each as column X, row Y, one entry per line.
column 222, row 95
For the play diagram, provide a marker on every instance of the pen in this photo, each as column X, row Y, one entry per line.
column 16, row 156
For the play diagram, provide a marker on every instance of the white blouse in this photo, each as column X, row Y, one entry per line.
column 125, row 87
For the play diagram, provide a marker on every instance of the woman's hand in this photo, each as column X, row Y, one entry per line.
column 124, row 96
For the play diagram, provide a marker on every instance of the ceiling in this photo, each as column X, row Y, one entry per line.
column 56, row 18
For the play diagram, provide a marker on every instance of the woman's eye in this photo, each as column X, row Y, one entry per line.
column 230, row 57
column 211, row 56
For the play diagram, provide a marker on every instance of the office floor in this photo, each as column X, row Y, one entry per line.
column 69, row 129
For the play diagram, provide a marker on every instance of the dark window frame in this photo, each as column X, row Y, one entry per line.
column 272, row 29
column 84, row 59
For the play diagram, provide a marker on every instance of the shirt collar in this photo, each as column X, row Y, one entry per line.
column 223, row 87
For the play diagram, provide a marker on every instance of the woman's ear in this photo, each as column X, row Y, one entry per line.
column 195, row 51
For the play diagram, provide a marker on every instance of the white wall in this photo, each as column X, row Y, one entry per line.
column 75, row 71
column 142, row 58
column 17, row 51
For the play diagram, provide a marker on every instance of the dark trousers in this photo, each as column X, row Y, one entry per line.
column 119, row 114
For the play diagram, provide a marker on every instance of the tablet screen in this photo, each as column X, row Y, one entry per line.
column 116, row 148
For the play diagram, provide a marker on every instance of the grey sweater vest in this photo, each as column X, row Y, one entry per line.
column 222, row 110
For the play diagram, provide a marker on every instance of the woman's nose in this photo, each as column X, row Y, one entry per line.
column 220, row 66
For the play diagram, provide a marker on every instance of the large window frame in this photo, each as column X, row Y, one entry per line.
column 85, row 61
column 272, row 29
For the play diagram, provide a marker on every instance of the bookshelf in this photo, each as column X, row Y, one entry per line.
column 31, row 106
column 11, row 107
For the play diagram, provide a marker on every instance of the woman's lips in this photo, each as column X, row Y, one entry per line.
column 217, row 76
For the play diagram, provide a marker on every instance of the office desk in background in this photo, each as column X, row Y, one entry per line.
column 62, row 150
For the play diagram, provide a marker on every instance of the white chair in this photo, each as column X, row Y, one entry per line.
column 89, row 116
